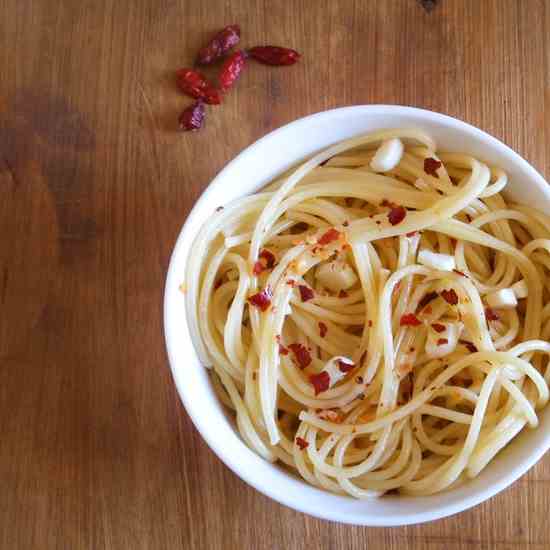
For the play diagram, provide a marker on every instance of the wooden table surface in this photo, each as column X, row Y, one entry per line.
column 96, row 451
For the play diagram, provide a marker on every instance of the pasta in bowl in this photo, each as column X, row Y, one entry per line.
column 376, row 316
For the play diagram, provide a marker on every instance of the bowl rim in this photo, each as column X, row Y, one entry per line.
column 202, row 425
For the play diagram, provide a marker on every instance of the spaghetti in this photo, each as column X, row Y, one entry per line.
column 377, row 317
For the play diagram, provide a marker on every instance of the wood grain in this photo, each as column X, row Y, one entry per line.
column 95, row 449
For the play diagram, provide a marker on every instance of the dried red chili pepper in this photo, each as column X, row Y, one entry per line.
column 192, row 118
column 345, row 367
column 274, row 55
column 283, row 350
column 305, row 293
column 431, row 165
column 220, row 44
column 469, row 346
column 459, row 273
column 266, row 261
column 258, row 268
column 195, row 84
column 331, row 235
column 302, row 443
column 438, row 327
column 426, row 299
column 397, row 215
column 301, row 354
column 262, row 300
column 321, row 381
column 442, row 341
column 269, row 258
column 450, row 296
column 343, row 294
column 232, row 69
column 323, row 329
column 491, row 314
column 409, row 320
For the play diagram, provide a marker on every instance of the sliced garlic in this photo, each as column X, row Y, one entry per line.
column 336, row 275
column 443, row 341
column 520, row 289
column 442, row 262
column 502, row 299
column 388, row 155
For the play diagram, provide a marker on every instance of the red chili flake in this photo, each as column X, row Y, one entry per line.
column 253, row 376
column 346, row 223
column 386, row 202
column 302, row 443
column 321, row 381
column 397, row 215
column 222, row 42
column 343, row 294
column 370, row 323
column 283, row 350
column 217, row 284
column 450, row 296
column 411, row 234
column 378, row 222
column 491, row 314
column 442, row 341
column 269, row 258
column 470, row 347
column 426, row 299
column 411, row 349
column 262, row 300
column 460, row 273
column 301, row 354
column 274, row 55
column 192, row 118
column 438, row 327
column 359, row 379
column 305, row 293
column 431, row 165
column 291, row 282
column 345, row 367
column 266, row 261
column 195, row 84
column 406, row 387
column 410, row 320
column 331, row 235
column 232, row 69
column 323, row 329
column 258, row 268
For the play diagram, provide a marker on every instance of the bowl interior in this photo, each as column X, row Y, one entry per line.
column 248, row 172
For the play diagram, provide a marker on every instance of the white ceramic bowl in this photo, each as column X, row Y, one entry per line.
column 247, row 173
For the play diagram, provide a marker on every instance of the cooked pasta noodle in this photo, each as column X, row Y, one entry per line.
column 344, row 314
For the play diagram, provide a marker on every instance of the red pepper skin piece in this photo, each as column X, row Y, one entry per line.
column 220, row 44
column 274, row 55
column 232, row 69
column 192, row 118
column 194, row 84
